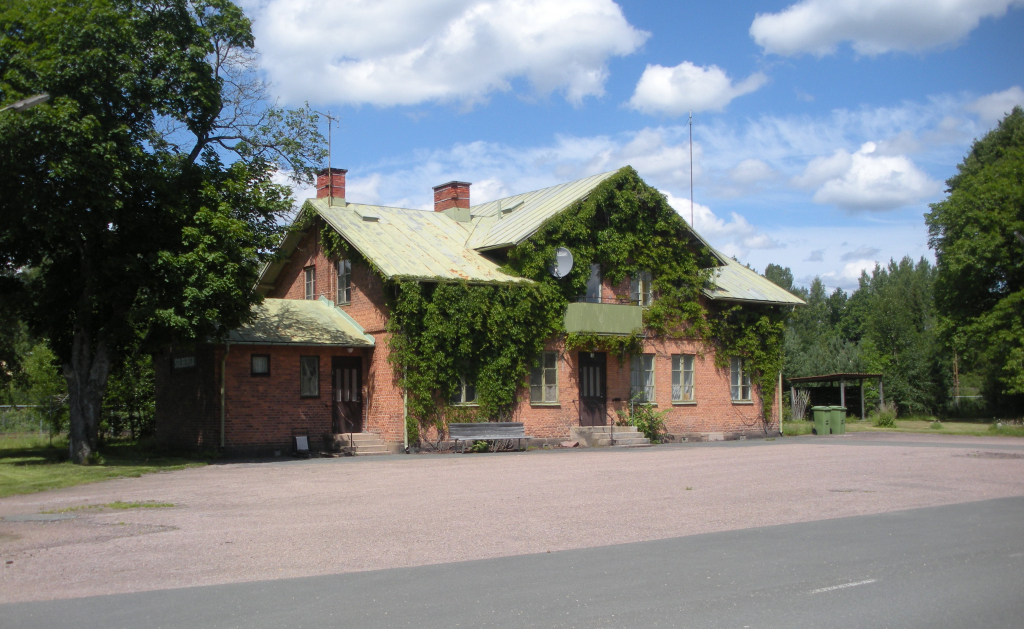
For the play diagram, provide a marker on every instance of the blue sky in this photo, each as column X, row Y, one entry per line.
column 822, row 128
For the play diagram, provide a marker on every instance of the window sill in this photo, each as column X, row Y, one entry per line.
column 547, row 404
column 678, row 403
column 309, row 397
column 466, row 405
column 743, row 402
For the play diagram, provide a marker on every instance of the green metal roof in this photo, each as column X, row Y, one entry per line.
column 406, row 243
column 509, row 221
column 735, row 282
column 301, row 322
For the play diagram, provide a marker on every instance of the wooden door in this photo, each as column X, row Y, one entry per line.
column 347, row 396
column 592, row 385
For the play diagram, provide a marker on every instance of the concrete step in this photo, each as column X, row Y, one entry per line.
column 621, row 441
column 615, row 429
column 358, row 437
column 370, row 450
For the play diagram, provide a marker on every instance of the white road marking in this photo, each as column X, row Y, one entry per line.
column 839, row 587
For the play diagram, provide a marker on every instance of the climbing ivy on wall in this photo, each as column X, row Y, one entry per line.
column 491, row 334
column 754, row 333
column 488, row 334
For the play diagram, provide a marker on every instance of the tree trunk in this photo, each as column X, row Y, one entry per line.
column 86, row 376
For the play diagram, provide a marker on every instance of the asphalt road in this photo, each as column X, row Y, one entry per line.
column 951, row 566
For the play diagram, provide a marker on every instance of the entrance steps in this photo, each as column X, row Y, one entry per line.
column 611, row 436
column 360, row 443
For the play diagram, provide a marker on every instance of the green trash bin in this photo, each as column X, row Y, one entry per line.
column 838, row 420
column 822, row 415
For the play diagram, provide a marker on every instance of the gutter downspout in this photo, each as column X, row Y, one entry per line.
column 223, row 390
column 405, row 413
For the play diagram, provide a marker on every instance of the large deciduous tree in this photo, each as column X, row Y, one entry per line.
column 979, row 290
column 141, row 196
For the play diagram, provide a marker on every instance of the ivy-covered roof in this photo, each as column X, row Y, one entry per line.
column 735, row 282
column 301, row 322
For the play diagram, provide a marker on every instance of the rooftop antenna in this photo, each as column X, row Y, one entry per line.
column 691, row 168
column 330, row 175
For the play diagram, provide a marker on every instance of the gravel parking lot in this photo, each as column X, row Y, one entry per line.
column 290, row 518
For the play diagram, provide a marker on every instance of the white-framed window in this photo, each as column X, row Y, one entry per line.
column 544, row 379
column 740, row 379
column 465, row 392
column 344, row 281
column 259, row 364
column 682, row 378
column 184, row 362
column 640, row 289
column 593, row 294
column 641, row 379
column 310, row 277
column 309, row 376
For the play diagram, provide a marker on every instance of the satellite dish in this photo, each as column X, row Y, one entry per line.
column 562, row 264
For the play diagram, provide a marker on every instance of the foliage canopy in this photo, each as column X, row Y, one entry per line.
column 141, row 195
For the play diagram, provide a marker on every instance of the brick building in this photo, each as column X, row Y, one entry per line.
column 315, row 359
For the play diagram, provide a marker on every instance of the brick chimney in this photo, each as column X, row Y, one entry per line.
column 451, row 194
column 325, row 182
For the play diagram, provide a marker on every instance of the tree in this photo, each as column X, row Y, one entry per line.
column 779, row 276
column 980, row 283
column 141, row 196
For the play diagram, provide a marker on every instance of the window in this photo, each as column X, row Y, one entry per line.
column 344, row 281
column 640, row 291
column 309, row 376
column 259, row 364
column 641, row 378
column 682, row 378
column 740, row 381
column 310, row 282
column 544, row 379
column 593, row 294
column 465, row 393
column 185, row 362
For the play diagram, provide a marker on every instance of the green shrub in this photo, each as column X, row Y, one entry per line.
column 884, row 416
column 647, row 420
column 936, row 425
column 480, row 446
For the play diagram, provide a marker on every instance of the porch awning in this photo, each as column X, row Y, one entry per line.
column 301, row 322
column 834, row 377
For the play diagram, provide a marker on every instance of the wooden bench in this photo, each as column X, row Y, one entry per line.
column 487, row 431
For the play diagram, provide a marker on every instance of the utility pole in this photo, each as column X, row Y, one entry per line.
column 691, row 170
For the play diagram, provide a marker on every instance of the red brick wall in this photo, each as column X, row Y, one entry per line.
column 713, row 412
column 366, row 306
column 262, row 411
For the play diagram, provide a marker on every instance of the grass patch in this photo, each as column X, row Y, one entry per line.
column 799, row 427
column 920, row 424
column 932, row 425
column 28, row 464
column 148, row 504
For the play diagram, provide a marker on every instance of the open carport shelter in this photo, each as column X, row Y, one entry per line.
column 842, row 379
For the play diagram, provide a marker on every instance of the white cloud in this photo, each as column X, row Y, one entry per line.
column 872, row 26
column 866, row 180
column 818, row 255
column 860, row 253
column 688, row 87
column 733, row 237
column 751, row 171
column 403, row 52
column 993, row 107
